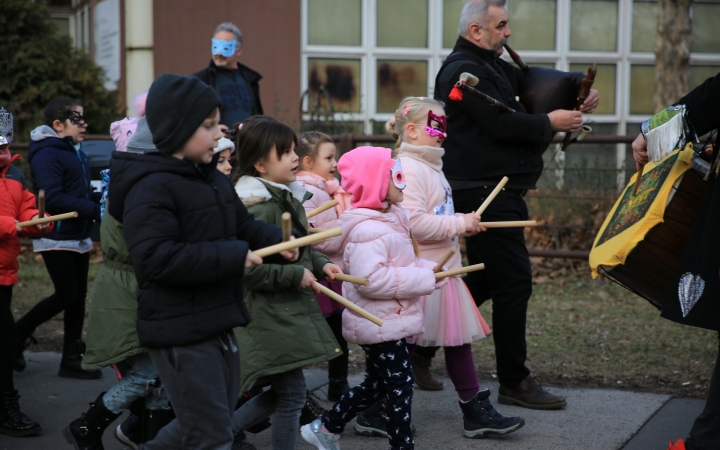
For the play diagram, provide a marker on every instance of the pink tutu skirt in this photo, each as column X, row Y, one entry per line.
column 451, row 317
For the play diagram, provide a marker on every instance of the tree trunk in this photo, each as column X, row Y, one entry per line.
column 672, row 52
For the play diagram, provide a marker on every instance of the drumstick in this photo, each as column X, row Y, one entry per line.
column 30, row 223
column 286, row 226
column 444, row 259
column 296, row 243
column 509, row 224
column 321, row 208
column 41, row 203
column 467, row 269
column 315, row 230
column 351, row 279
column 348, row 304
column 637, row 180
column 492, row 195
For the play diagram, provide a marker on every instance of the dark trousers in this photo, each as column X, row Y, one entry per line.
column 338, row 367
column 507, row 278
column 7, row 339
column 705, row 433
column 388, row 375
column 202, row 382
column 69, row 274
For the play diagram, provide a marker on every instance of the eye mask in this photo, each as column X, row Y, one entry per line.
column 225, row 48
column 440, row 129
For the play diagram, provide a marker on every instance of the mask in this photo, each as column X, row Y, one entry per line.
column 398, row 176
column 75, row 118
column 6, row 127
column 439, row 129
column 225, row 48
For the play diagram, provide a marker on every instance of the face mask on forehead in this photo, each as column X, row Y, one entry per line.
column 6, row 127
column 225, row 48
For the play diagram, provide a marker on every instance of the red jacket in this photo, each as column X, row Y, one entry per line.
column 16, row 203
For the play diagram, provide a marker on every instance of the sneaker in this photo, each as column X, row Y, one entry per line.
column 480, row 419
column 373, row 423
column 314, row 434
column 130, row 431
column 311, row 411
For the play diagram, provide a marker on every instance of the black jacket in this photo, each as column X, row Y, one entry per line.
column 209, row 76
column 701, row 257
column 188, row 235
column 64, row 174
column 484, row 143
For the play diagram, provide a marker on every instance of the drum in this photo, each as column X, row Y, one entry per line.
column 643, row 237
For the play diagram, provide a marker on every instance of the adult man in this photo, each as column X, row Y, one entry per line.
column 483, row 145
column 700, row 260
column 235, row 83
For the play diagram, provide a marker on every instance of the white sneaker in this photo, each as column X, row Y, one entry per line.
column 313, row 434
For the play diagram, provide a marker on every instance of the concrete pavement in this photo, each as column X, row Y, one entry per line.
column 595, row 419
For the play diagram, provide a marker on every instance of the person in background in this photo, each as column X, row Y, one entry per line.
column 17, row 204
column 60, row 168
column 236, row 84
column 223, row 152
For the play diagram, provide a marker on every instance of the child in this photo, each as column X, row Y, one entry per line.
column 17, row 204
column 452, row 320
column 378, row 246
column 183, row 226
column 317, row 174
column 288, row 331
column 112, row 334
column 223, row 153
column 60, row 167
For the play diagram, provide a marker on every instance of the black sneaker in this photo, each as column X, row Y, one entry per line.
column 482, row 420
column 130, row 431
column 373, row 422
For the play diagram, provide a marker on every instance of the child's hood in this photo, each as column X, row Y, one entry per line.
column 254, row 190
column 44, row 136
column 395, row 218
column 432, row 156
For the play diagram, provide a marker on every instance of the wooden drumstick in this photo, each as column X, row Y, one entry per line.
column 296, row 243
column 315, row 230
column 351, row 279
column 637, row 180
column 348, row 304
column 492, row 196
column 41, row 203
column 509, row 224
column 467, row 269
column 321, row 208
column 444, row 259
column 30, row 223
column 286, row 226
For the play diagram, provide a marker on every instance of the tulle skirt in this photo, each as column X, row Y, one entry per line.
column 451, row 317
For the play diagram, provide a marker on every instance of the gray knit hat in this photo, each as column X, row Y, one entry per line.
column 176, row 107
column 141, row 141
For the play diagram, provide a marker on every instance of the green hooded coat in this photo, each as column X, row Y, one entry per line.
column 287, row 329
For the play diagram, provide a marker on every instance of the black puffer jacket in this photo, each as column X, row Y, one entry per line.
column 188, row 236
column 484, row 143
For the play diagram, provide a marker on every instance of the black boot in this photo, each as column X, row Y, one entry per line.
column 337, row 388
column 86, row 432
column 482, row 420
column 70, row 364
column 152, row 422
column 12, row 421
column 311, row 411
column 21, row 344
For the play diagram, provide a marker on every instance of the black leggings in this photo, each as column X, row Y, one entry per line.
column 7, row 339
column 705, row 433
column 69, row 274
column 338, row 367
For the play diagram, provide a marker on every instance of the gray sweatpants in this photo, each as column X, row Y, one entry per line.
column 203, row 383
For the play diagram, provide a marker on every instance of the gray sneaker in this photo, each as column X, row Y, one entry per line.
column 314, row 435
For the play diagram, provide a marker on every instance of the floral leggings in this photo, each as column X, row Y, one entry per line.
column 388, row 375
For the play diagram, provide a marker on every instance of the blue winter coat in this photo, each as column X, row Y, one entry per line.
column 64, row 173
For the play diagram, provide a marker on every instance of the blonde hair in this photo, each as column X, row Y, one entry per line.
column 309, row 144
column 411, row 110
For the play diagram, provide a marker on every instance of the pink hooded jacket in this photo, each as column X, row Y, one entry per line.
column 326, row 219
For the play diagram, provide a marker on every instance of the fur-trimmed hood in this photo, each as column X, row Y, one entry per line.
column 254, row 190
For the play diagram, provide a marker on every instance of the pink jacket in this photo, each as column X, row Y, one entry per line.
column 428, row 201
column 326, row 219
column 377, row 246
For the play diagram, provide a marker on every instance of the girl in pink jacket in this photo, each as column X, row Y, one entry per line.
column 317, row 174
column 452, row 319
column 377, row 245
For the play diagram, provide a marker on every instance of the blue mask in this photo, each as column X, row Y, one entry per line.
column 225, row 48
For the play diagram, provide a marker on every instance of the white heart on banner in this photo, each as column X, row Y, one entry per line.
column 689, row 291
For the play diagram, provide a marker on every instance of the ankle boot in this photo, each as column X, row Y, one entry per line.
column 70, row 365
column 152, row 422
column 86, row 432
column 12, row 421
column 480, row 419
column 311, row 411
column 21, row 344
column 421, row 372
column 337, row 388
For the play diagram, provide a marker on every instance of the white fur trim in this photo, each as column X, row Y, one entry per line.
column 224, row 144
column 253, row 191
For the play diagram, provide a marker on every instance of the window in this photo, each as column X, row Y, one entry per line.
column 334, row 22
column 706, row 18
column 402, row 23
column 593, row 25
column 642, row 89
column 644, row 25
column 533, row 24
column 397, row 80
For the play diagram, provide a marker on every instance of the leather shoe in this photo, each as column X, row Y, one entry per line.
column 421, row 372
column 530, row 394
